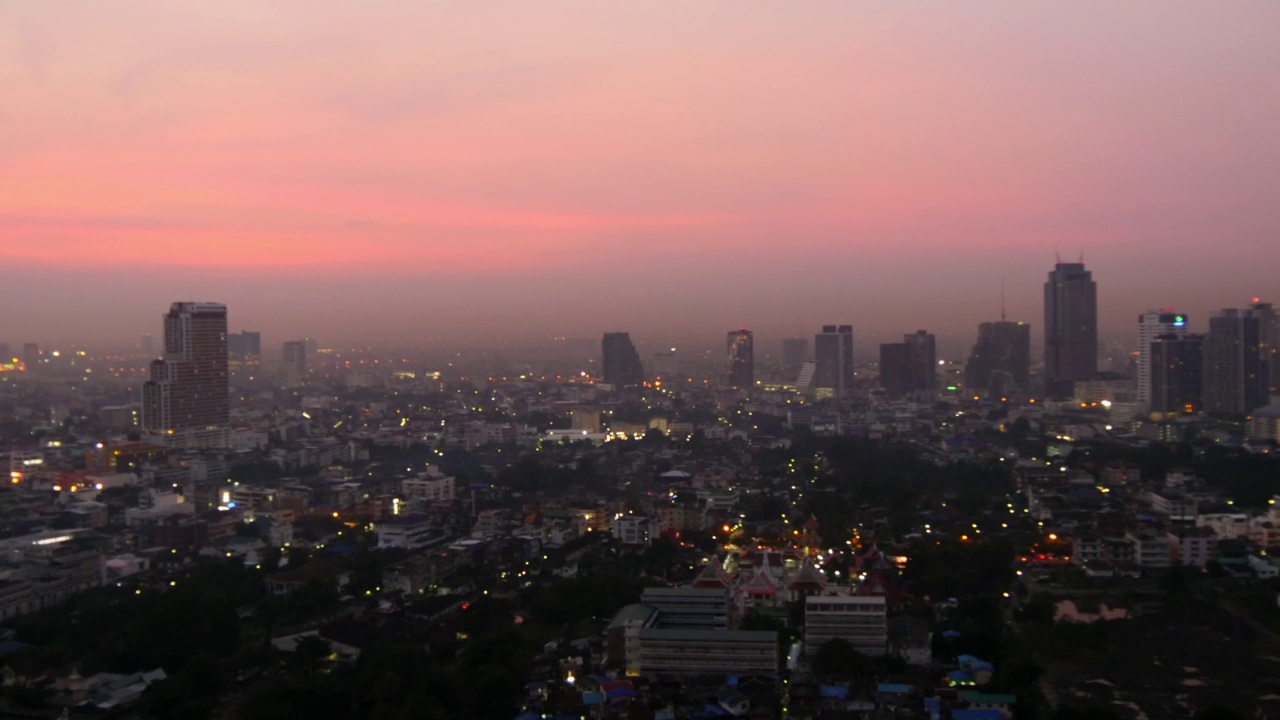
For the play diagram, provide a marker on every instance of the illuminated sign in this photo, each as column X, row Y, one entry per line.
column 1179, row 320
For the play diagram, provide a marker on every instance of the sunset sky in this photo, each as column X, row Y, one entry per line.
column 395, row 169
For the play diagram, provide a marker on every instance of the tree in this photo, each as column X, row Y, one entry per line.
column 838, row 657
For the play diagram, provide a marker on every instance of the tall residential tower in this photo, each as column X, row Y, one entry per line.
column 1151, row 325
column 741, row 370
column 1070, row 327
column 187, row 399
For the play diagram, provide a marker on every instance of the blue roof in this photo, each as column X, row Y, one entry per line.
column 833, row 691
column 981, row 665
column 991, row 714
column 950, row 634
column 933, row 704
column 966, row 659
column 895, row 688
column 960, row 675
column 593, row 698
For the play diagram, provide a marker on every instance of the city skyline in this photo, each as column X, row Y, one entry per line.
column 452, row 175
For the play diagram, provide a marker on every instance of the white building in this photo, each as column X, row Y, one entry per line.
column 632, row 529
column 431, row 486
column 862, row 621
column 408, row 531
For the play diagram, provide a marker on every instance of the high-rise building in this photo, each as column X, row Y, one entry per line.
column 1176, row 365
column 31, row 355
column 244, row 349
column 1270, row 334
column 910, row 366
column 742, row 371
column 833, row 359
column 1070, row 327
column 922, row 361
column 1236, row 372
column 146, row 344
column 795, row 353
column 1001, row 359
column 5, row 357
column 295, row 360
column 1151, row 325
column 187, row 399
column 620, row 361
column 665, row 364
column 893, row 368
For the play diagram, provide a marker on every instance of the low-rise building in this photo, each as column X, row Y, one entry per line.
column 708, row 652
column 862, row 621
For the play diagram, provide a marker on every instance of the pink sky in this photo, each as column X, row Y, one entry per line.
column 369, row 170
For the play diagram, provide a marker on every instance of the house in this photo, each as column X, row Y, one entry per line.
column 287, row 581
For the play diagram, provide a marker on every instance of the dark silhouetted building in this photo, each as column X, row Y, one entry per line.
column 1236, row 372
column 1177, row 374
column 833, row 359
column 742, row 373
column 146, row 344
column 795, row 353
column 1269, row 331
column 620, row 361
column 244, row 349
column 295, row 360
column 911, row 366
column 1070, row 328
column 1151, row 325
column 1001, row 359
column 187, row 400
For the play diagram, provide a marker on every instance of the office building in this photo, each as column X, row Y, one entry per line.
column 1001, row 359
column 620, row 361
column 1236, row 371
column 1070, row 328
column 295, row 361
column 795, row 353
column 689, row 608
column 708, row 652
column 1151, row 325
column 665, row 364
column 911, row 366
column 187, row 400
column 1269, row 332
column 741, row 352
column 244, row 349
column 833, row 359
column 862, row 621
column 1176, row 366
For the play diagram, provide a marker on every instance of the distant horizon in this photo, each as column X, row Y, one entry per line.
column 507, row 172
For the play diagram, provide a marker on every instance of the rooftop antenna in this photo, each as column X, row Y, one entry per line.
column 1001, row 299
column 1057, row 256
column 1081, row 256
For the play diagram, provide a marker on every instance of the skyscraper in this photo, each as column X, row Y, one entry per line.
column 1001, row 359
column 244, row 349
column 910, row 366
column 187, row 399
column 1151, row 325
column 1236, row 371
column 833, row 359
column 1176, row 364
column 295, row 360
column 1070, row 327
column 1270, row 336
column 740, row 345
column 795, row 353
column 620, row 361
